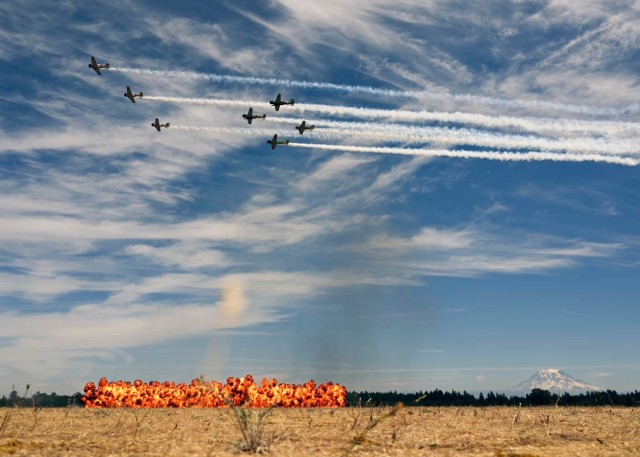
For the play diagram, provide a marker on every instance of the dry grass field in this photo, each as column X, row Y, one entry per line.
column 411, row 431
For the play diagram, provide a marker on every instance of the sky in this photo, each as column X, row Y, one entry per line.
column 464, row 214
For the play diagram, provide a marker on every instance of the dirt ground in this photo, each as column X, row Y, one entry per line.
column 411, row 431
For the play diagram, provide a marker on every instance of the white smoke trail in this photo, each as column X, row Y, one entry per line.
column 528, row 123
column 207, row 101
column 489, row 155
column 267, row 134
column 535, row 124
column 490, row 140
column 452, row 136
column 225, row 130
column 346, row 88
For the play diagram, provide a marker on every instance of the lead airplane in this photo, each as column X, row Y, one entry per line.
column 278, row 102
column 302, row 127
column 249, row 116
column 95, row 66
column 274, row 141
column 130, row 95
column 158, row 125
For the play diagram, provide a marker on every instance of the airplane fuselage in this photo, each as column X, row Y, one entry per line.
column 275, row 142
column 278, row 102
column 302, row 127
column 157, row 125
column 95, row 66
column 250, row 116
column 131, row 96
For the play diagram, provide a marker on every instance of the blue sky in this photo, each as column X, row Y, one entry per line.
column 129, row 253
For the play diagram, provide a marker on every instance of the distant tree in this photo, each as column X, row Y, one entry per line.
column 566, row 399
column 539, row 397
column 502, row 400
column 14, row 398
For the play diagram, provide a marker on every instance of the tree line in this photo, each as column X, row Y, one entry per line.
column 436, row 397
column 41, row 400
column 537, row 397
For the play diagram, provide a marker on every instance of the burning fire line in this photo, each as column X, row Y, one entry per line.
column 201, row 394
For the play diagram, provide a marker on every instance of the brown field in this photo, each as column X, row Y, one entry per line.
column 412, row 431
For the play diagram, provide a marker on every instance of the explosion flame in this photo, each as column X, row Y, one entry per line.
column 203, row 394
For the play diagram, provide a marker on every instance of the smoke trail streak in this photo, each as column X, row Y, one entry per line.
column 489, row 155
column 482, row 139
column 413, row 134
column 225, row 130
column 529, row 123
column 267, row 134
column 439, row 136
column 207, row 101
column 346, row 88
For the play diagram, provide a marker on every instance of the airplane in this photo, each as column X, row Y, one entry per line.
column 130, row 95
column 249, row 116
column 157, row 124
column 95, row 66
column 274, row 141
column 279, row 102
column 302, row 127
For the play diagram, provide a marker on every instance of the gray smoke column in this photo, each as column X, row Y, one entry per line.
column 234, row 304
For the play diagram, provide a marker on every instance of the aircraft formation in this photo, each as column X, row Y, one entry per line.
column 459, row 134
column 249, row 116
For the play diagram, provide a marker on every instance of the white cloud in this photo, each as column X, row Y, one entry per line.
column 426, row 238
column 470, row 252
column 186, row 255
column 334, row 172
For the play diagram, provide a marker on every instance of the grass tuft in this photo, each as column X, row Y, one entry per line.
column 5, row 422
column 361, row 437
column 251, row 424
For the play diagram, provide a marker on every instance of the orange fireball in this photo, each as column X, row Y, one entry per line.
column 201, row 394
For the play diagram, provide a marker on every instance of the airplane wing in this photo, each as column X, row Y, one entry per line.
column 94, row 65
column 278, row 102
column 249, row 116
column 273, row 141
column 129, row 94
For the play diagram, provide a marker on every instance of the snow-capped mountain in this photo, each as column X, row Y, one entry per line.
column 555, row 381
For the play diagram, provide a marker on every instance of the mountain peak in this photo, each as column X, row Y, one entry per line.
column 554, row 380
